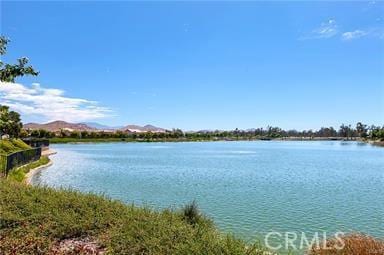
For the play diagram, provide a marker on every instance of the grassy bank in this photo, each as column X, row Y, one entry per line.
column 12, row 145
column 19, row 174
column 40, row 220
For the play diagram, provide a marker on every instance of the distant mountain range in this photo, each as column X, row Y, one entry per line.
column 58, row 125
column 101, row 126
column 90, row 126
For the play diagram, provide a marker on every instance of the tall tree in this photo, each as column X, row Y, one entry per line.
column 9, row 72
column 361, row 129
column 344, row 131
column 10, row 122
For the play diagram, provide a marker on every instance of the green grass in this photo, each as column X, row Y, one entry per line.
column 12, row 145
column 18, row 174
column 34, row 219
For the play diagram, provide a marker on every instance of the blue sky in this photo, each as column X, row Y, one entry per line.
column 199, row 65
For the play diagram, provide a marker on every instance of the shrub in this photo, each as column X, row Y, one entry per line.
column 191, row 213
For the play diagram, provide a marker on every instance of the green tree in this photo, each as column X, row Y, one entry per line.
column 361, row 129
column 10, row 122
column 9, row 72
column 23, row 133
column 376, row 132
column 345, row 131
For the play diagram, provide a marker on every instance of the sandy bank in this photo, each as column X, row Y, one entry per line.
column 32, row 172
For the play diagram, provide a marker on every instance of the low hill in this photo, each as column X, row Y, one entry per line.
column 101, row 126
column 91, row 126
column 146, row 128
column 58, row 125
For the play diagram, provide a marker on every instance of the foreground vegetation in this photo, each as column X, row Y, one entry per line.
column 41, row 220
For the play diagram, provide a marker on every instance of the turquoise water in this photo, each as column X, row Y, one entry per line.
column 247, row 188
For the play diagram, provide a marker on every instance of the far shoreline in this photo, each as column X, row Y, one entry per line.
column 284, row 139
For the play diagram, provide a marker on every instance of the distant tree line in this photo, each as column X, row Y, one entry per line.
column 343, row 132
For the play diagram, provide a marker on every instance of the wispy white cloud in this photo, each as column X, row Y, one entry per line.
column 353, row 34
column 49, row 104
column 330, row 29
column 356, row 34
column 326, row 29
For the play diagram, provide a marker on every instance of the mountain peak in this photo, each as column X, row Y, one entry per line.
column 58, row 125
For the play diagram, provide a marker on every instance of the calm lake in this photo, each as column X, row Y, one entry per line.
column 247, row 188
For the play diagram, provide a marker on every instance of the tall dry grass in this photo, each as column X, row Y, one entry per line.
column 354, row 244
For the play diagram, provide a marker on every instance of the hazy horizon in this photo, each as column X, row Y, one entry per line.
column 107, row 126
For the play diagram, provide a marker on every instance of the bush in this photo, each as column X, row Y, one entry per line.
column 191, row 213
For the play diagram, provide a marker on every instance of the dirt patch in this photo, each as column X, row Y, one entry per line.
column 78, row 246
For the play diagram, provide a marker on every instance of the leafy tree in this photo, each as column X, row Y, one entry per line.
column 35, row 133
column 326, row 132
column 75, row 134
column 376, row 132
column 9, row 72
column 361, row 129
column 23, row 133
column 344, row 131
column 274, row 132
column 10, row 122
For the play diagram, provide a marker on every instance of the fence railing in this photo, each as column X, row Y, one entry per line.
column 16, row 159
column 36, row 142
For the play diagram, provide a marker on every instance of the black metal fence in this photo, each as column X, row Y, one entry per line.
column 36, row 142
column 8, row 162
